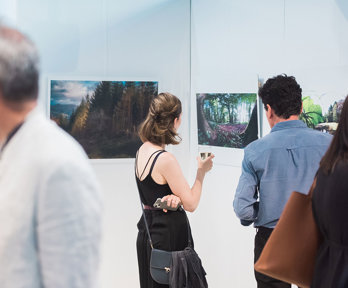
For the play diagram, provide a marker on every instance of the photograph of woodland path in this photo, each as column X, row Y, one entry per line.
column 227, row 119
column 103, row 116
column 322, row 112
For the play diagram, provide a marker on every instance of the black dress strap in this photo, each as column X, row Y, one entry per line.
column 154, row 161
column 147, row 163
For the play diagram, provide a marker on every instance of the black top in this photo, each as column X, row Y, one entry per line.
column 10, row 136
column 169, row 231
column 150, row 190
column 330, row 209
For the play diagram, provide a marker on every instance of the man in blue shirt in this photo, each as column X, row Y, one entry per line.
column 285, row 160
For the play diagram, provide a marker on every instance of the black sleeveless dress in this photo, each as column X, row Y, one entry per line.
column 168, row 231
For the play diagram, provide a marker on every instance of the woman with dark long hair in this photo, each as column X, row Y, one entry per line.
column 159, row 175
column 330, row 209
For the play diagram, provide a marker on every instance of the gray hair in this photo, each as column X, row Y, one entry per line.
column 19, row 66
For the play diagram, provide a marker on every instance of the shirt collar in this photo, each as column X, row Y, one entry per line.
column 288, row 124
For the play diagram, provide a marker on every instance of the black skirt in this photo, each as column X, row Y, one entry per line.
column 169, row 232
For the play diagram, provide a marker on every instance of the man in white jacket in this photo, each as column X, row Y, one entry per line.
column 50, row 202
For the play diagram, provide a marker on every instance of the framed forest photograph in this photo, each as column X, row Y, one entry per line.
column 227, row 119
column 103, row 116
column 321, row 111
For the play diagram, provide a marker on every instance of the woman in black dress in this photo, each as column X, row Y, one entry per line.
column 330, row 209
column 159, row 175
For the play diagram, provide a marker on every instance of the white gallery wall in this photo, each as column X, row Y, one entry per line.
column 8, row 12
column 190, row 47
column 115, row 40
column 232, row 43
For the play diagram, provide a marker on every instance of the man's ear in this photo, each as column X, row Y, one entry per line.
column 269, row 111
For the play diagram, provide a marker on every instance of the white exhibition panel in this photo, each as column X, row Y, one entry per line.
column 234, row 42
column 115, row 40
column 229, row 44
column 8, row 12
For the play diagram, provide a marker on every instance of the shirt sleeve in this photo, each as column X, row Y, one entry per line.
column 68, row 227
column 245, row 201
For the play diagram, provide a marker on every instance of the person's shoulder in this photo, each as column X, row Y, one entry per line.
column 166, row 161
column 259, row 144
column 55, row 155
column 338, row 175
column 166, row 158
column 54, row 144
column 66, row 158
column 341, row 169
column 316, row 132
column 324, row 138
column 65, row 144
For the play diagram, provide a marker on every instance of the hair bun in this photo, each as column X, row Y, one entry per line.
column 158, row 127
column 156, row 116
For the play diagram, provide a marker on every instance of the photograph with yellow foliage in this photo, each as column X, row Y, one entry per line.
column 103, row 116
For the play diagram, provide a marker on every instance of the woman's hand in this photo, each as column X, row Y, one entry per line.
column 206, row 164
column 172, row 201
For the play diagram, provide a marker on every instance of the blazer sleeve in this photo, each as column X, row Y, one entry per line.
column 68, row 228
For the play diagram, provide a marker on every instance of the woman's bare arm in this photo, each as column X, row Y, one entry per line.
column 170, row 169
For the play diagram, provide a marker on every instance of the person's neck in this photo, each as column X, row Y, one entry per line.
column 156, row 145
column 11, row 118
column 278, row 119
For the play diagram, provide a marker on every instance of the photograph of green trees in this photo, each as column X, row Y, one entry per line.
column 227, row 119
column 321, row 112
column 103, row 116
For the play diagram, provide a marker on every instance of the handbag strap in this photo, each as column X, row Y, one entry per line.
column 146, row 225
column 142, row 206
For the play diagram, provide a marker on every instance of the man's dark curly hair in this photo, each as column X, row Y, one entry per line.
column 283, row 94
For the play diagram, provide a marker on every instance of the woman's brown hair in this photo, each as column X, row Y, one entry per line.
column 338, row 149
column 158, row 127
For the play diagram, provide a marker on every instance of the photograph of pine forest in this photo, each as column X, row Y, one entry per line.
column 103, row 116
column 227, row 119
column 322, row 112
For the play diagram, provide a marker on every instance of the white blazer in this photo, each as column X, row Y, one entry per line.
column 50, row 210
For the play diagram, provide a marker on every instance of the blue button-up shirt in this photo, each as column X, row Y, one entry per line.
column 285, row 160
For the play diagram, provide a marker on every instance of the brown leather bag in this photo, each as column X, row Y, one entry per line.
column 290, row 252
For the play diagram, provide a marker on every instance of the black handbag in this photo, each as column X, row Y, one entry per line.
column 160, row 264
column 186, row 270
